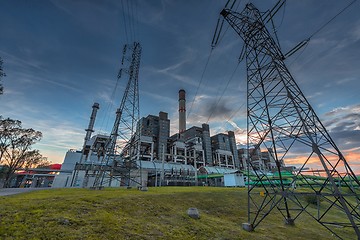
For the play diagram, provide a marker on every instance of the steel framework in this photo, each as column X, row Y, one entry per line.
column 119, row 161
column 86, row 148
column 280, row 118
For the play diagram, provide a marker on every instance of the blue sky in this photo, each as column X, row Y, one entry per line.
column 61, row 56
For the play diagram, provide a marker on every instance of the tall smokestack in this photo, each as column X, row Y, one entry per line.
column 89, row 131
column 90, row 128
column 182, row 111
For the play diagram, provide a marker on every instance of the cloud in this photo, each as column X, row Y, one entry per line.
column 177, row 70
column 17, row 62
column 203, row 106
column 344, row 132
column 151, row 70
column 343, row 124
column 199, row 109
column 157, row 96
column 315, row 95
column 345, row 80
column 152, row 12
column 88, row 12
column 313, row 162
column 218, row 108
column 58, row 136
column 355, row 32
column 22, row 71
column 60, row 133
column 174, row 67
column 344, row 110
column 240, row 134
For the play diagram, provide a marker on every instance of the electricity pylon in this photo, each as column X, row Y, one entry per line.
column 280, row 118
column 122, row 147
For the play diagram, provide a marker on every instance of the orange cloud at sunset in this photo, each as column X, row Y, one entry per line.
column 313, row 163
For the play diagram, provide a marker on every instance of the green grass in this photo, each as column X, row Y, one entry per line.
column 159, row 213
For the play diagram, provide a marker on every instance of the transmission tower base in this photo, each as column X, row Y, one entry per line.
column 144, row 189
column 289, row 221
column 248, row 227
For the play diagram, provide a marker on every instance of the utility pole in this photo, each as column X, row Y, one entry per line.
column 280, row 118
column 195, row 166
column 162, row 164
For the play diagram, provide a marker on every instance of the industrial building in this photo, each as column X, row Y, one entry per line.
column 184, row 158
column 35, row 177
column 225, row 150
column 261, row 160
column 192, row 146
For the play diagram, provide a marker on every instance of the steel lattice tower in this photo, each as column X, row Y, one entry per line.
column 121, row 150
column 280, row 118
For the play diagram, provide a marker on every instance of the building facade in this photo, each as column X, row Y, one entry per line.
column 260, row 160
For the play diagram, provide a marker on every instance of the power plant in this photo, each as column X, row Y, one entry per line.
column 280, row 121
column 158, row 158
column 140, row 152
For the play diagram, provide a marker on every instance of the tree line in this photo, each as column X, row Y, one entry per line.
column 16, row 146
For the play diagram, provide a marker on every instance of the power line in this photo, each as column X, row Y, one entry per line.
column 216, row 40
column 283, row 15
column 130, row 35
column 124, row 18
column 131, row 20
column 233, row 114
column 222, row 94
column 110, row 106
column 328, row 22
column 201, row 79
column 298, row 56
column 306, row 41
column 137, row 20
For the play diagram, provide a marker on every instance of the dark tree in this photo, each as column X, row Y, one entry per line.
column 15, row 147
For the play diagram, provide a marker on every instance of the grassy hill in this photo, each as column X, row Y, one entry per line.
column 159, row 213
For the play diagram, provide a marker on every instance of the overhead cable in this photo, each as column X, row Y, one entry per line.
column 306, row 41
column 137, row 21
column 124, row 18
column 110, row 107
column 223, row 93
column 201, row 79
column 218, row 35
column 328, row 22
column 234, row 114
column 131, row 19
